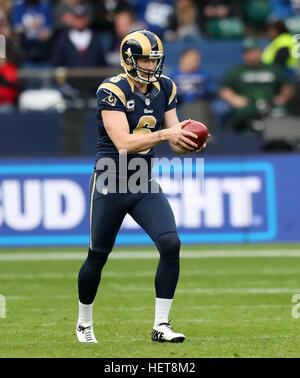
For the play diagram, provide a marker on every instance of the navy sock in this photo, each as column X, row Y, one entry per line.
column 90, row 275
column 167, row 272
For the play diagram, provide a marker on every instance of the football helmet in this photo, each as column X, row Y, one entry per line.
column 142, row 44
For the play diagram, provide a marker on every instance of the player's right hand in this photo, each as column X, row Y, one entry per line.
column 177, row 136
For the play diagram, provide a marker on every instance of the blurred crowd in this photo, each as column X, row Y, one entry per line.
column 70, row 32
column 87, row 33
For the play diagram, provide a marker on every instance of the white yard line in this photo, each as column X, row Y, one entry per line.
column 213, row 291
column 246, row 290
column 150, row 273
column 35, row 256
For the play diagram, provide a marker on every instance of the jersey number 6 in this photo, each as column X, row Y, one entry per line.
column 145, row 124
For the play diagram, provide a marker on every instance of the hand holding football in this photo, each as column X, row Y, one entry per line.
column 200, row 130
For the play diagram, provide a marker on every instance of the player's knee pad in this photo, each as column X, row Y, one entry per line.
column 97, row 259
column 168, row 245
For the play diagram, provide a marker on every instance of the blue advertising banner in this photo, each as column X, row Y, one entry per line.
column 248, row 199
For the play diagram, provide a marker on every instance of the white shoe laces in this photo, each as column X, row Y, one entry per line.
column 167, row 325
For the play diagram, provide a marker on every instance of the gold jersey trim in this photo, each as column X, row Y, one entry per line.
column 115, row 90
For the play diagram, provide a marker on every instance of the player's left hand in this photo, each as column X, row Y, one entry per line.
column 204, row 145
column 185, row 152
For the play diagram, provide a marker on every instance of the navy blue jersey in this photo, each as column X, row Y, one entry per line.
column 145, row 113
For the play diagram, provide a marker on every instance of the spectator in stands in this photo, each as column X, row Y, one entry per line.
column 5, row 6
column 254, row 89
column 183, row 23
column 5, row 29
column 79, row 46
column 155, row 14
column 284, row 9
column 281, row 49
column 64, row 12
column 8, row 85
column 105, row 12
column 213, row 11
column 124, row 23
column 194, row 87
column 32, row 20
column 13, row 50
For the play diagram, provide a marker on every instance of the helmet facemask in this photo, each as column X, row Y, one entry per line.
column 137, row 72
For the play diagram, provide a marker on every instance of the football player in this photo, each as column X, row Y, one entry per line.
column 136, row 112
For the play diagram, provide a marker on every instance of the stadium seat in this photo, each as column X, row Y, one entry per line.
column 41, row 100
column 282, row 132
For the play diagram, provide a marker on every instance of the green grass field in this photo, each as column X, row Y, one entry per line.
column 230, row 302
